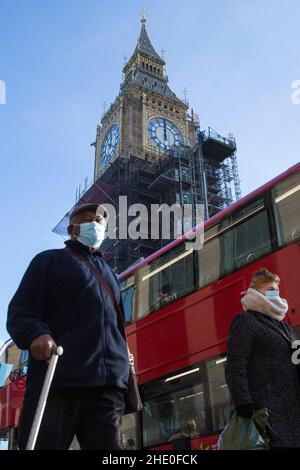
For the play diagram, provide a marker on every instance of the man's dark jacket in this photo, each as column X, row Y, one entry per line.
column 60, row 296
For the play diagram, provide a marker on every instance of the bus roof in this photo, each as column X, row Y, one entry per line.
column 212, row 220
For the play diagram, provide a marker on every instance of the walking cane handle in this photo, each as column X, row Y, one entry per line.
column 59, row 350
column 55, row 351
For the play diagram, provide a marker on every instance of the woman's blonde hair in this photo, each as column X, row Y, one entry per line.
column 262, row 276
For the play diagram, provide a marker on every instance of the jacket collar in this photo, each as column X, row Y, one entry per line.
column 85, row 250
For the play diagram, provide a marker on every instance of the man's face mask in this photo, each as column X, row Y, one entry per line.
column 91, row 234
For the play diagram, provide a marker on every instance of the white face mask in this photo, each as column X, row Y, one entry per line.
column 91, row 234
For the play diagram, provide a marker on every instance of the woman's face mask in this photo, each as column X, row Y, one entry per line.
column 272, row 294
column 270, row 290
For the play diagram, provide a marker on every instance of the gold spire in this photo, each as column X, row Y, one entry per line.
column 143, row 16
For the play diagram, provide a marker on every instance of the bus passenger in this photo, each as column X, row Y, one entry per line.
column 166, row 295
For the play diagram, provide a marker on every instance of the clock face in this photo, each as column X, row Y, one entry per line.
column 163, row 133
column 110, row 144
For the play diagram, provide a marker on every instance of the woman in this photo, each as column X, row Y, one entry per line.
column 259, row 368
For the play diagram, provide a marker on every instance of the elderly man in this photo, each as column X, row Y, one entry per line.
column 60, row 302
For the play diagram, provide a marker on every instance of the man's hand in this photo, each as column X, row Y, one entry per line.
column 41, row 347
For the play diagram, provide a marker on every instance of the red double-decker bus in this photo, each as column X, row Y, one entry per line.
column 11, row 393
column 179, row 304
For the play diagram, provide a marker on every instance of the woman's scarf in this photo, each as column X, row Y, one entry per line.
column 274, row 307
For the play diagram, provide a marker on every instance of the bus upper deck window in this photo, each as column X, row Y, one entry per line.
column 128, row 297
column 162, row 282
column 286, row 198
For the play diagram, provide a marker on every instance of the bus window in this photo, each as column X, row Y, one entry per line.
column 251, row 239
column 209, row 258
column 236, row 241
column 162, row 281
column 128, row 296
column 248, row 235
column 219, row 397
column 23, row 363
column 286, row 197
column 129, row 432
column 215, row 258
column 174, row 405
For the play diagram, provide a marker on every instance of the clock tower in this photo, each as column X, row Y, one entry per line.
column 150, row 148
column 147, row 118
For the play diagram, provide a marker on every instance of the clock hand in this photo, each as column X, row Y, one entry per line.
column 165, row 130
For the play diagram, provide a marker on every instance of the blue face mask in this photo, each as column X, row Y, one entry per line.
column 272, row 293
column 91, row 234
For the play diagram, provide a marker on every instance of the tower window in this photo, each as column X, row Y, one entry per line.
column 143, row 65
column 150, row 68
column 147, row 66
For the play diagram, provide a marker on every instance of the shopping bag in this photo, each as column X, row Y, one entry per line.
column 245, row 434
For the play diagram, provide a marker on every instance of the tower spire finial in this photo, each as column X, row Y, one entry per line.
column 143, row 16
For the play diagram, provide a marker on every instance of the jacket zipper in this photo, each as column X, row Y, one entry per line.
column 105, row 328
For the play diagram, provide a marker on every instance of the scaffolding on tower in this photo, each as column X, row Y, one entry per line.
column 204, row 173
column 221, row 170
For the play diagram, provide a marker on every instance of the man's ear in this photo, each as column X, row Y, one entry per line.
column 70, row 229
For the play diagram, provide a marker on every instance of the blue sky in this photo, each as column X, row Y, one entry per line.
column 61, row 59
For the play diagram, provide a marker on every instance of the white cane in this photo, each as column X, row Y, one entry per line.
column 43, row 399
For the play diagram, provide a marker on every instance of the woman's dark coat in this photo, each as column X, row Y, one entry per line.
column 259, row 371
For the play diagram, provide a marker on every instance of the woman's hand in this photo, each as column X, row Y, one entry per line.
column 245, row 411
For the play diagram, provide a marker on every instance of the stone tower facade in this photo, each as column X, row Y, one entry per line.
column 147, row 118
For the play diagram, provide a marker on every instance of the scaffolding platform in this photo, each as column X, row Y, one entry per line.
column 216, row 146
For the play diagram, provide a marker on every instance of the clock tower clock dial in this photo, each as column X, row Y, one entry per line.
column 110, row 145
column 163, row 133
